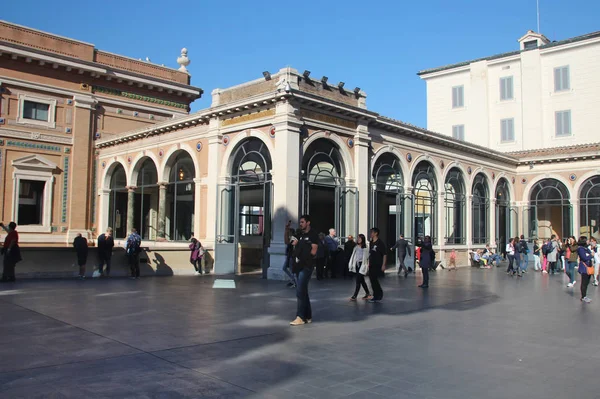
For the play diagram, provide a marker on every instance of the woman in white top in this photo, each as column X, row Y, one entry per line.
column 359, row 264
column 510, row 253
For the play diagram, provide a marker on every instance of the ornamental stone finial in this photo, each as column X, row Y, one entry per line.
column 183, row 60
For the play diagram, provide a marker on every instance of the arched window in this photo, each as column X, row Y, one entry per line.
column 480, row 210
column 322, row 163
column 589, row 199
column 180, row 198
column 454, row 203
column 424, row 190
column 503, row 214
column 146, row 198
column 117, row 209
column 550, row 210
column 387, row 174
column 251, row 162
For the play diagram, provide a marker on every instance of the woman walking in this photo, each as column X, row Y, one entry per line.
column 196, row 253
column 358, row 264
column 571, row 253
column 585, row 267
column 510, row 254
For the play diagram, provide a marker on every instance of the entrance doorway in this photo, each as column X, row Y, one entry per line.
column 505, row 215
column 243, row 230
column 424, row 190
column 549, row 211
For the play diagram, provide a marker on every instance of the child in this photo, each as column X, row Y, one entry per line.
column 452, row 261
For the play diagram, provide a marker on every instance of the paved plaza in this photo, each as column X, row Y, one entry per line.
column 473, row 334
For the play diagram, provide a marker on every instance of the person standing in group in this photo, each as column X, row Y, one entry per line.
column 349, row 246
column 510, row 254
column 452, row 260
column 321, row 259
column 537, row 264
column 305, row 251
column 572, row 253
column 333, row 248
column 196, row 255
column 289, row 249
column 545, row 249
column 523, row 254
column 133, row 248
column 80, row 244
column 403, row 248
column 377, row 261
column 427, row 260
column 105, row 248
column 594, row 248
column 585, row 268
column 11, row 252
column 552, row 256
column 358, row 264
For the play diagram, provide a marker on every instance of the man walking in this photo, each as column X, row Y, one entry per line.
column 80, row 244
column 132, row 247
column 105, row 247
column 377, row 261
column 403, row 248
column 305, row 250
column 427, row 260
column 333, row 244
column 11, row 252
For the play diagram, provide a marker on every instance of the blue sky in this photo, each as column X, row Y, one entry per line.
column 377, row 45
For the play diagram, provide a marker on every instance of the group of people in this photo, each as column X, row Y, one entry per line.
column 364, row 259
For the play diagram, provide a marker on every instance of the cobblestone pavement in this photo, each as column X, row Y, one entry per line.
column 473, row 334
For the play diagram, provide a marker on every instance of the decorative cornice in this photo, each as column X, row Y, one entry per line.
column 50, row 138
column 23, row 144
column 65, row 189
column 133, row 96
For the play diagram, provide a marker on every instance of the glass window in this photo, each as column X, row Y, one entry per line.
column 507, row 127
column 454, row 203
column 31, row 202
column 562, row 78
column 180, row 199
column 563, row 123
column 424, row 190
column 458, row 97
column 530, row 44
column 146, row 199
column 35, row 111
column 117, row 209
column 480, row 210
column 550, row 210
column 458, row 132
column 506, row 88
column 590, row 208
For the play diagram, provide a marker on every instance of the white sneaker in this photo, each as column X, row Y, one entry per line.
column 595, row 283
column 574, row 282
column 570, row 285
column 586, row 299
column 545, row 272
column 196, row 273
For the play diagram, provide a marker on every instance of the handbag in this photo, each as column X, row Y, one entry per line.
column 590, row 270
column 364, row 268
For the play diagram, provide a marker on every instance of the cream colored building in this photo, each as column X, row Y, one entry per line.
column 544, row 94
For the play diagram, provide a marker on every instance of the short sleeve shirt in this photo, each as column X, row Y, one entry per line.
column 306, row 240
column 377, row 250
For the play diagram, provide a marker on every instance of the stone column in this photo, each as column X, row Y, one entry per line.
column 79, row 195
column 212, row 179
column 492, row 222
column 197, row 206
column 441, row 217
column 286, row 184
column 469, row 221
column 576, row 222
column 409, row 225
column 130, row 208
column 103, row 206
column 362, row 166
column 162, row 209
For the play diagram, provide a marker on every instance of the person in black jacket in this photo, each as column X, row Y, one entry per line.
column 427, row 259
column 80, row 244
column 105, row 247
column 403, row 247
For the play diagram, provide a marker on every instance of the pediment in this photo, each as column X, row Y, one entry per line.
column 34, row 162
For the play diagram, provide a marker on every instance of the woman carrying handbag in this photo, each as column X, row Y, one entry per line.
column 359, row 264
column 586, row 269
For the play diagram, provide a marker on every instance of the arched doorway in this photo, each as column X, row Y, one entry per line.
column 391, row 208
column 505, row 215
column 146, row 197
column 180, row 198
column 117, row 205
column 549, row 210
column 589, row 208
column 480, row 210
column 424, row 190
column 455, row 200
column 244, row 211
column 325, row 196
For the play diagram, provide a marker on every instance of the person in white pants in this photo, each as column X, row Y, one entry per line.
column 594, row 248
column 537, row 263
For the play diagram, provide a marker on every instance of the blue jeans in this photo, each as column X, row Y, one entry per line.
column 304, row 310
column 286, row 269
column 571, row 271
column 524, row 261
column 495, row 258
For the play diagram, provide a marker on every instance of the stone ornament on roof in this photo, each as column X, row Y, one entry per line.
column 183, row 60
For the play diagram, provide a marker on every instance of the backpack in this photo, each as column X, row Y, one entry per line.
column 133, row 245
column 545, row 249
column 523, row 247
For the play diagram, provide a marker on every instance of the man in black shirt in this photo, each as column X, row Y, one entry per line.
column 377, row 261
column 105, row 248
column 305, row 250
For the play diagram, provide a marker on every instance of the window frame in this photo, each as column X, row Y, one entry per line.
column 560, row 70
column 461, row 130
column 455, row 105
column 504, row 88
column 556, row 124
column 50, row 123
column 502, row 121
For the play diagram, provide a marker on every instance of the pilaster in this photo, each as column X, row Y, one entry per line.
column 441, row 218
column 492, row 222
column 362, row 166
column 197, row 205
column 469, row 221
column 212, row 179
column 130, row 208
column 162, row 209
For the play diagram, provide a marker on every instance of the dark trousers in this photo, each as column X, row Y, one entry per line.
column 321, row 267
column 304, row 311
column 134, row 265
column 374, row 277
column 511, row 261
column 197, row 265
column 425, row 271
column 101, row 261
column 401, row 258
column 8, row 273
column 585, row 281
column 360, row 282
column 552, row 267
column 332, row 264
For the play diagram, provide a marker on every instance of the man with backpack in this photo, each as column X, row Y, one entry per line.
column 523, row 251
column 133, row 248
